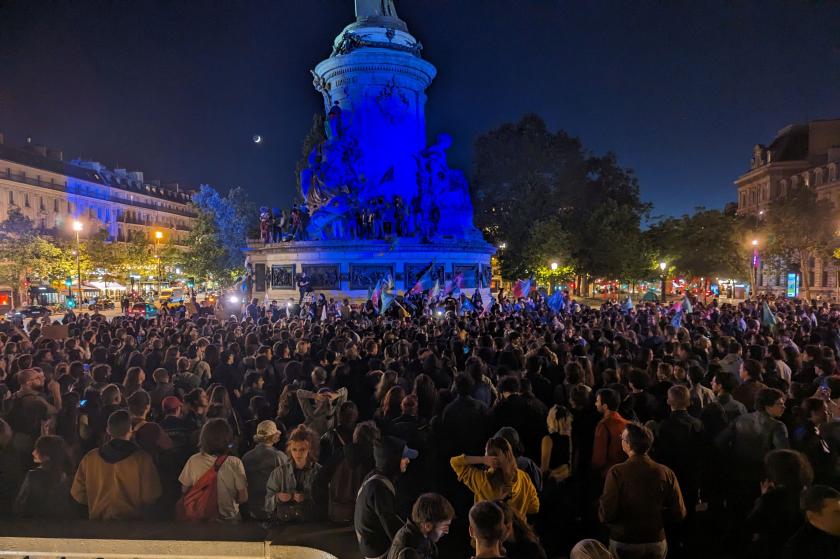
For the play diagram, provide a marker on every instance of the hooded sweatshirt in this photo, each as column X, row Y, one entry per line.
column 375, row 519
column 116, row 481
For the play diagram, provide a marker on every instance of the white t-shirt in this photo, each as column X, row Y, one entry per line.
column 229, row 481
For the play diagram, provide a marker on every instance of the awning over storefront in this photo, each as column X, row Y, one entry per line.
column 109, row 285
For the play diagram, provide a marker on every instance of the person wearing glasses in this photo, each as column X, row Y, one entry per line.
column 746, row 441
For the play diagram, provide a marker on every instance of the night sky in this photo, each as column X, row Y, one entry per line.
column 680, row 90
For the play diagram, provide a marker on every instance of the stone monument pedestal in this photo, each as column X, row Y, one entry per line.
column 350, row 268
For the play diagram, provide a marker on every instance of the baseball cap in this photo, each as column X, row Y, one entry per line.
column 170, row 404
column 410, row 453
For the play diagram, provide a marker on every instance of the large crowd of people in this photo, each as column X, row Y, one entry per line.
column 509, row 429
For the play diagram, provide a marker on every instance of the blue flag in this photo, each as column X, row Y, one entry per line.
column 628, row 305
column 768, row 319
column 467, row 306
column 676, row 322
column 556, row 301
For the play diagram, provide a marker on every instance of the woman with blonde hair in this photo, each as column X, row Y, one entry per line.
column 556, row 452
column 500, row 480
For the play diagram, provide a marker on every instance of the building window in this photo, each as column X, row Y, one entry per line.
column 41, row 205
column 26, row 200
column 811, row 279
column 825, row 278
column 11, row 197
column 55, row 205
column 69, row 207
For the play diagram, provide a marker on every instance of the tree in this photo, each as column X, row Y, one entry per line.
column 800, row 226
column 705, row 244
column 219, row 234
column 19, row 242
column 532, row 187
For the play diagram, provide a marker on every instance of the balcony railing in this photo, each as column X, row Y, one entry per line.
column 34, row 181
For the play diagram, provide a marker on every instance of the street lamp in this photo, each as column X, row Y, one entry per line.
column 158, row 237
column 77, row 227
column 554, row 266
column 662, row 267
column 551, row 284
column 755, row 266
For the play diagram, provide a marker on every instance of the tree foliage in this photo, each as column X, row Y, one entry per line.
column 704, row 244
column 800, row 226
column 546, row 197
column 219, row 234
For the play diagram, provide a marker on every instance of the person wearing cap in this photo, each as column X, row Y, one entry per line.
column 259, row 462
column 375, row 519
column 181, row 430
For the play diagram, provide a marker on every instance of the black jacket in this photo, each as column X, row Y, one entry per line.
column 410, row 543
column 375, row 518
column 810, row 541
column 44, row 495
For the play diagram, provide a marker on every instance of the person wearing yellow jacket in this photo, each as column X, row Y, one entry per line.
column 501, row 480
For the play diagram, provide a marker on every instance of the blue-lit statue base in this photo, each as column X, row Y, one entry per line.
column 349, row 268
column 379, row 196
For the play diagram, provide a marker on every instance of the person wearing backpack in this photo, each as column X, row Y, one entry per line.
column 375, row 517
column 339, row 480
column 213, row 482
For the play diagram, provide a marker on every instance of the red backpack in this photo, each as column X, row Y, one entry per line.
column 201, row 502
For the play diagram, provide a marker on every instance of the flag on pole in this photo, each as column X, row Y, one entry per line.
column 467, row 306
column 556, row 301
column 435, row 292
column 628, row 305
column 424, row 280
column 522, row 288
column 686, row 305
column 324, row 314
column 768, row 319
column 676, row 322
column 377, row 293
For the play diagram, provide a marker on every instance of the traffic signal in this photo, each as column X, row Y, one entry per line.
column 190, row 282
column 71, row 303
column 69, row 281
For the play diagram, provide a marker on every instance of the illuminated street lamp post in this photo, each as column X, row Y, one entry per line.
column 158, row 237
column 662, row 267
column 754, row 286
column 551, row 284
column 77, row 227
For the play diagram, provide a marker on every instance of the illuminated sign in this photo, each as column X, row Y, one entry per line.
column 792, row 285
